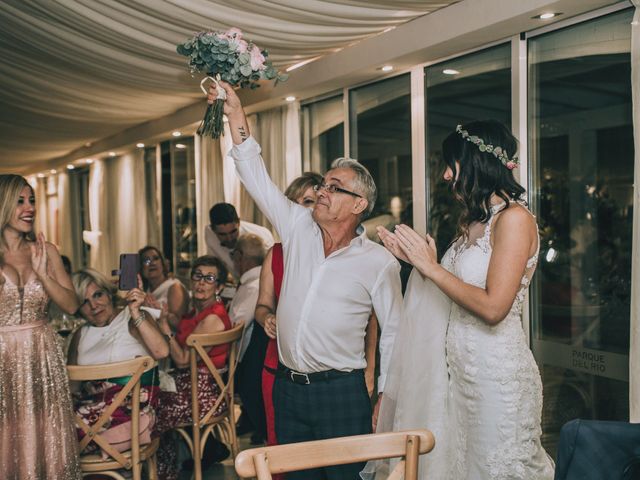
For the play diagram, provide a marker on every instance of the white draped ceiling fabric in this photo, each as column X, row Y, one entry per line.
column 75, row 71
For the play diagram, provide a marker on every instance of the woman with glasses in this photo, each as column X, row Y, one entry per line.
column 160, row 287
column 113, row 333
column 208, row 315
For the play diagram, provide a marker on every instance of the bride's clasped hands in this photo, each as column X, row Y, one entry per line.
column 411, row 247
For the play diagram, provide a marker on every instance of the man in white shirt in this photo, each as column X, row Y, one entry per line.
column 223, row 231
column 333, row 277
column 248, row 256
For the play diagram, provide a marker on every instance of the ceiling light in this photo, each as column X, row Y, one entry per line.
column 176, row 134
column 70, row 167
column 387, row 68
column 546, row 15
column 140, row 145
column 450, row 71
column 180, row 145
column 290, row 98
column 40, row 175
column 89, row 161
column 112, row 154
column 53, row 171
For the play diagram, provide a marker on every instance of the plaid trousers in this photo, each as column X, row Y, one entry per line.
column 337, row 407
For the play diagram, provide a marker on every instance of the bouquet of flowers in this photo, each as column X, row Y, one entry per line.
column 229, row 57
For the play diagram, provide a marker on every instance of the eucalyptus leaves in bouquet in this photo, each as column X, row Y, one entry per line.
column 229, row 57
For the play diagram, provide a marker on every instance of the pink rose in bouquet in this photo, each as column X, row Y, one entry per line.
column 226, row 56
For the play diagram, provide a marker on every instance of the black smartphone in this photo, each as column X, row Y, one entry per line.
column 129, row 269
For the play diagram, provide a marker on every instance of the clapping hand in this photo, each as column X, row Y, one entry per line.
column 39, row 257
column 410, row 246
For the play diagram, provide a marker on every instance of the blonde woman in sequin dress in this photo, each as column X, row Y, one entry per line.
column 37, row 438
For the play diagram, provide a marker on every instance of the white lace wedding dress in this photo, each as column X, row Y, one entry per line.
column 475, row 386
column 495, row 391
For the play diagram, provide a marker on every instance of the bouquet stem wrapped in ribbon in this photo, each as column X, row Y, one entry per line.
column 226, row 56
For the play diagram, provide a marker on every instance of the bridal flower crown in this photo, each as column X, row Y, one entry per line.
column 498, row 152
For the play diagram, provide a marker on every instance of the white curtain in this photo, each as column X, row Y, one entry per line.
column 99, row 248
column 278, row 133
column 634, row 356
column 68, row 221
column 40, row 190
column 117, row 210
column 209, row 182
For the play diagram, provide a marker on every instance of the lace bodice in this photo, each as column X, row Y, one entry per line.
column 22, row 305
column 494, row 383
column 468, row 259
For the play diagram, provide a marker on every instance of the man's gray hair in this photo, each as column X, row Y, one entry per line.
column 363, row 183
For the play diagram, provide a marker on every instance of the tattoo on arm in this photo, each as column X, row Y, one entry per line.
column 243, row 133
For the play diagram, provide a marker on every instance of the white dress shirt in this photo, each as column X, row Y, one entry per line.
column 325, row 302
column 224, row 253
column 243, row 306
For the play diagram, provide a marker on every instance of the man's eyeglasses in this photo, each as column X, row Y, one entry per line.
column 149, row 260
column 210, row 278
column 332, row 188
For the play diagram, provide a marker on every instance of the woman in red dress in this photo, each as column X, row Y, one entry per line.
column 209, row 315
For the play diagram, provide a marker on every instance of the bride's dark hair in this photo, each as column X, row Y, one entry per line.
column 481, row 173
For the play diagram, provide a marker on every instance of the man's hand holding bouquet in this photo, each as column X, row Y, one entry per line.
column 226, row 56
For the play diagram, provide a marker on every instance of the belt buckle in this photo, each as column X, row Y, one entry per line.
column 293, row 374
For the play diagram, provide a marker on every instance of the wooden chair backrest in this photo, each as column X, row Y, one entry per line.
column 264, row 461
column 134, row 368
column 200, row 344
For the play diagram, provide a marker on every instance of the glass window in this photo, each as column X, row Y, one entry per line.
column 581, row 152
column 380, row 138
column 178, row 205
column 323, row 133
column 183, row 179
column 473, row 87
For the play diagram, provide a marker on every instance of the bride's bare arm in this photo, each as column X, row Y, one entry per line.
column 514, row 238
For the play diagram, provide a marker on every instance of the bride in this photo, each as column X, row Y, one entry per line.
column 461, row 364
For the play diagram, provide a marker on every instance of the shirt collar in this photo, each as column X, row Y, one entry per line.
column 250, row 275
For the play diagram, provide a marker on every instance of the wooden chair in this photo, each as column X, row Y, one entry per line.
column 131, row 460
column 264, row 461
column 225, row 424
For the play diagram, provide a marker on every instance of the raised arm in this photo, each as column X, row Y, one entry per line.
column 47, row 264
column 281, row 212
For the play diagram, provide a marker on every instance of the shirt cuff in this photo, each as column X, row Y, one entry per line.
column 245, row 150
column 381, row 380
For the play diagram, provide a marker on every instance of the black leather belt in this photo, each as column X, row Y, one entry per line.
column 307, row 378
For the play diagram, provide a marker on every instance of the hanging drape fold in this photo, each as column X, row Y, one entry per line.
column 634, row 356
column 117, row 210
column 209, row 182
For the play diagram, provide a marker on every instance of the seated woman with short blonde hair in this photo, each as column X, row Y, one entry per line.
column 112, row 334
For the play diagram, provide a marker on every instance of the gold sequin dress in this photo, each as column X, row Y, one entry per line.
column 37, row 437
